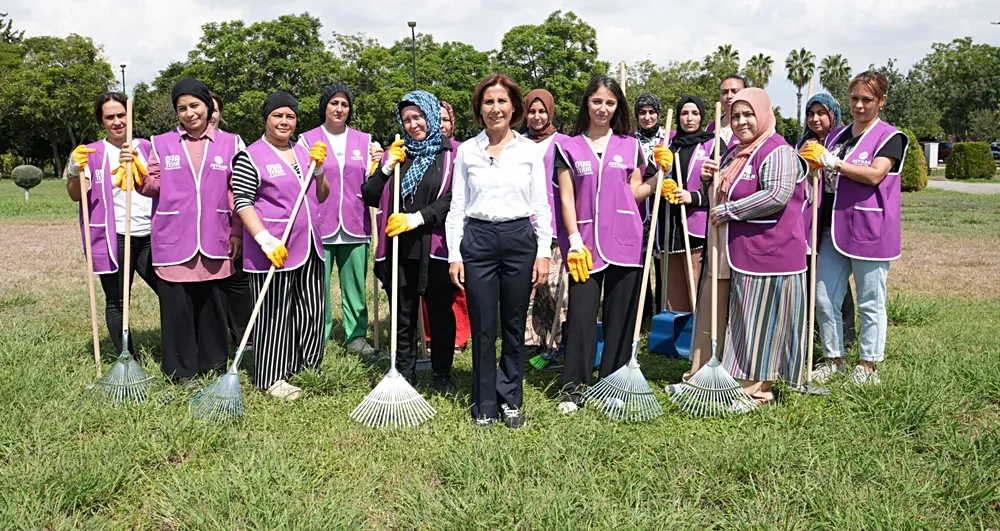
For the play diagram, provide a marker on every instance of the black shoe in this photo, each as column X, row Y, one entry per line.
column 512, row 417
column 443, row 385
column 483, row 422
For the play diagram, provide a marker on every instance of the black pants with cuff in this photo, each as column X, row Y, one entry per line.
column 240, row 300
column 140, row 262
column 441, row 319
column 195, row 337
column 499, row 258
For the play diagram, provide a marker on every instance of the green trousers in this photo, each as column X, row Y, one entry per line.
column 352, row 266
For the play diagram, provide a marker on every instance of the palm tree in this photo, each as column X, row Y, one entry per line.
column 834, row 73
column 758, row 70
column 801, row 65
column 727, row 54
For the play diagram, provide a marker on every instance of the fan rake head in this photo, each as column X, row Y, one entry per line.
column 126, row 380
column 393, row 403
column 625, row 395
column 220, row 401
column 712, row 392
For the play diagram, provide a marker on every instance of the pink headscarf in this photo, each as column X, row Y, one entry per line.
column 451, row 114
column 758, row 100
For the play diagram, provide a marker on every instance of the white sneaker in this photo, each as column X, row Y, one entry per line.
column 614, row 402
column 568, row 407
column 283, row 390
column 861, row 376
column 674, row 388
column 824, row 371
column 360, row 346
column 740, row 407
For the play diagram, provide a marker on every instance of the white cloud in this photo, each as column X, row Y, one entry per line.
column 148, row 35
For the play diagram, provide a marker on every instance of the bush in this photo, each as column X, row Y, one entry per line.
column 913, row 176
column 970, row 160
column 27, row 177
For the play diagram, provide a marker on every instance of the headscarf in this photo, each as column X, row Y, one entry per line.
column 683, row 139
column 193, row 87
column 329, row 92
column 653, row 136
column 423, row 151
column 451, row 116
column 549, row 102
column 277, row 100
column 832, row 107
column 762, row 110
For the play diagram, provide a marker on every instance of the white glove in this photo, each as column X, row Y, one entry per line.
column 267, row 242
column 575, row 243
column 830, row 161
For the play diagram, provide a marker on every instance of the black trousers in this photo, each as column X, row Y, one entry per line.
column 195, row 338
column 240, row 300
column 141, row 261
column 441, row 319
column 621, row 299
column 499, row 258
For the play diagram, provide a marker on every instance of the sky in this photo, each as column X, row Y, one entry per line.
column 151, row 34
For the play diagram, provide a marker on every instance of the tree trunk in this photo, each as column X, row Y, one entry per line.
column 27, row 195
column 798, row 111
column 55, row 158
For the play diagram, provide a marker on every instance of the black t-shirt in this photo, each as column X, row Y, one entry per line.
column 893, row 149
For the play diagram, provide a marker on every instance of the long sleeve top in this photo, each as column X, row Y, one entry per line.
column 509, row 187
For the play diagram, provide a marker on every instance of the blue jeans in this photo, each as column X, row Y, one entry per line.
column 833, row 270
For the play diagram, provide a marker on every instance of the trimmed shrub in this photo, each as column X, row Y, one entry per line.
column 27, row 177
column 970, row 160
column 913, row 176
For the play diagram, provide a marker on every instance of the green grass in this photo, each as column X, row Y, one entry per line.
column 921, row 451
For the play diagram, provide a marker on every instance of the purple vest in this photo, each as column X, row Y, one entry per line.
column 866, row 222
column 190, row 215
column 807, row 205
column 549, row 159
column 697, row 217
column 344, row 208
column 101, row 207
column 439, row 245
column 279, row 188
column 774, row 244
column 607, row 215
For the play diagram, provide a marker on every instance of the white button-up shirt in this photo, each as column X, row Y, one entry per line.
column 511, row 186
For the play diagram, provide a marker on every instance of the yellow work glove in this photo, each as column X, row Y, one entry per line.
column 579, row 261
column 272, row 247
column 138, row 172
column 668, row 189
column 397, row 154
column 813, row 153
column 399, row 223
column 317, row 153
column 80, row 156
column 664, row 157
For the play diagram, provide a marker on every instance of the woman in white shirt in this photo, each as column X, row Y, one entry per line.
column 106, row 206
column 499, row 236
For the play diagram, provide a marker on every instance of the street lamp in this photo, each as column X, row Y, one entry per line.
column 123, row 77
column 413, row 46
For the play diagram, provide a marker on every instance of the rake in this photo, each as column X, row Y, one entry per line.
column 809, row 389
column 223, row 399
column 712, row 391
column 88, row 251
column 625, row 395
column 126, row 380
column 541, row 361
column 394, row 403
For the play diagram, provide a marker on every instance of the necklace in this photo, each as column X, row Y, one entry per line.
column 286, row 146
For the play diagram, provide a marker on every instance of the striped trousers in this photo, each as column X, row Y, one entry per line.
column 288, row 334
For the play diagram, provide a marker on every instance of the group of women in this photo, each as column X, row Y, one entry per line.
column 488, row 228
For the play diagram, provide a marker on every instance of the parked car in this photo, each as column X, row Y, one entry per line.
column 996, row 152
column 944, row 151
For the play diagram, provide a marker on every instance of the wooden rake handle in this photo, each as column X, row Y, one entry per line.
column 88, row 252
column 714, row 236
column 126, row 264
column 687, row 240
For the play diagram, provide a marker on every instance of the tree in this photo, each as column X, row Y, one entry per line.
column 560, row 55
column 984, row 124
column 759, row 69
column 835, row 74
column 724, row 61
column 153, row 110
column 801, row 65
column 786, row 127
column 27, row 177
column 7, row 33
column 908, row 103
column 960, row 77
column 676, row 80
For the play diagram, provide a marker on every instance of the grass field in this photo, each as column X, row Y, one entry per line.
column 920, row 451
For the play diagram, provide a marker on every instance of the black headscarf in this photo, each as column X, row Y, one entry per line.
column 648, row 100
column 329, row 92
column 682, row 139
column 193, row 87
column 277, row 100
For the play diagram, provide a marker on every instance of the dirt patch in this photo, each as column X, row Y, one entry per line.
column 947, row 265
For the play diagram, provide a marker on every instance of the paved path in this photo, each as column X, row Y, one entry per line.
column 969, row 188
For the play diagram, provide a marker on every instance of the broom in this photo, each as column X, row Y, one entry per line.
column 126, row 379
column 625, row 395
column 541, row 361
column 223, row 399
column 89, row 256
column 393, row 402
column 712, row 391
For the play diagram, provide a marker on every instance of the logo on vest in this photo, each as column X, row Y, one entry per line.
column 617, row 162
column 862, row 159
column 217, row 164
column 275, row 170
column 99, row 176
column 172, row 162
column 356, row 154
column 583, row 167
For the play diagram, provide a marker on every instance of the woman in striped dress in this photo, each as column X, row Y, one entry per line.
column 267, row 178
column 757, row 217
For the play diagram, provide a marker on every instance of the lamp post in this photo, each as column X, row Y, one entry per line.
column 413, row 46
column 123, row 77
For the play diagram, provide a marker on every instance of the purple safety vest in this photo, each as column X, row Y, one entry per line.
column 344, row 208
column 774, row 244
column 608, row 217
column 552, row 186
column 439, row 245
column 190, row 215
column 866, row 219
column 279, row 188
column 101, row 207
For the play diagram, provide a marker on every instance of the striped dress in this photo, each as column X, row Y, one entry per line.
column 766, row 336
